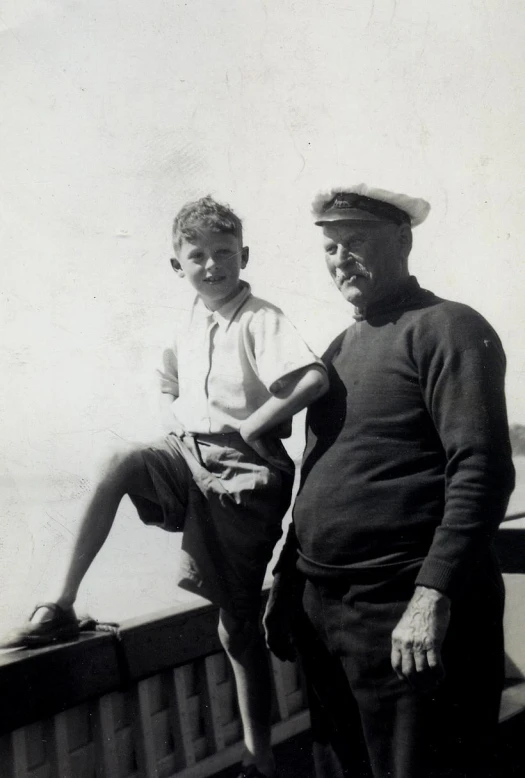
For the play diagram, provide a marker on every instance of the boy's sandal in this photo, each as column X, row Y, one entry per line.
column 62, row 625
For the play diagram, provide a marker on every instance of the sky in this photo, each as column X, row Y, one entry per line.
column 114, row 114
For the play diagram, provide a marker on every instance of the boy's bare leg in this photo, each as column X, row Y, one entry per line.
column 246, row 650
column 122, row 472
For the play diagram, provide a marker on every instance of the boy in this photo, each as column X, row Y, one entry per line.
column 238, row 374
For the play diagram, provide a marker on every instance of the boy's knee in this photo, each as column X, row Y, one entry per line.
column 237, row 635
column 120, row 463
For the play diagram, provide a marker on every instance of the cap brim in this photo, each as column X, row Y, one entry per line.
column 347, row 216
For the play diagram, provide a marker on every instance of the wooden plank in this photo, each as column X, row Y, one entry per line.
column 284, row 730
column 280, row 693
column 19, row 752
column 59, row 677
column 106, row 754
column 232, row 754
column 145, row 739
column 161, row 641
column 55, row 732
column 210, row 765
column 68, row 674
column 211, row 702
column 126, row 751
column 232, row 731
column 82, row 761
column 181, row 720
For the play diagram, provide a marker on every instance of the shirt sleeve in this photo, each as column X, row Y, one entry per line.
column 278, row 348
column 462, row 376
column 169, row 381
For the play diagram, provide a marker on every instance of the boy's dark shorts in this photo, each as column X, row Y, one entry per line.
column 229, row 503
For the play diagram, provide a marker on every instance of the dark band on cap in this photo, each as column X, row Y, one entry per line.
column 344, row 201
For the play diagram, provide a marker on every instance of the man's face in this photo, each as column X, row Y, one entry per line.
column 212, row 263
column 366, row 259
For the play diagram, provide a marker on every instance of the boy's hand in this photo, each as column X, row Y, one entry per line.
column 170, row 422
column 177, row 427
column 272, row 450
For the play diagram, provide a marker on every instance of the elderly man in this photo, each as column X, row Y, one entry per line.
column 397, row 596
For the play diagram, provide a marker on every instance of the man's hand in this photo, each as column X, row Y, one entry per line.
column 271, row 449
column 278, row 618
column 417, row 639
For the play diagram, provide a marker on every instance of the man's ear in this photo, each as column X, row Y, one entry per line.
column 245, row 255
column 177, row 267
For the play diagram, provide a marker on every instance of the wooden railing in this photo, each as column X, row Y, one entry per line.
column 157, row 699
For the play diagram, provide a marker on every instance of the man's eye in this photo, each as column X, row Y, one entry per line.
column 331, row 250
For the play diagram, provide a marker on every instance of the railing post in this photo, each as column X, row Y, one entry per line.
column 145, row 741
column 212, row 709
column 19, row 752
column 104, row 736
column 56, row 734
column 182, row 728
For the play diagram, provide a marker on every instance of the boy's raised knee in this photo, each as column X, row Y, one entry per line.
column 120, row 463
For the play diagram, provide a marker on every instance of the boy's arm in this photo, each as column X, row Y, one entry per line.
column 299, row 390
column 169, row 387
column 169, row 421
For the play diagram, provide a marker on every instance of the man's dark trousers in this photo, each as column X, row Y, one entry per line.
column 368, row 722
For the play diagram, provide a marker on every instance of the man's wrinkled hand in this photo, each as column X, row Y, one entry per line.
column 277, row 620
column 418, row 638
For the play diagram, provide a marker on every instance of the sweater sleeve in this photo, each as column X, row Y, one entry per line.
column 462, row 375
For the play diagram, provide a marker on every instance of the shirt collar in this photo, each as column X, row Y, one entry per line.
column 226, row 313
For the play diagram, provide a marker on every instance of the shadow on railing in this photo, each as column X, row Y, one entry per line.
column 158, row 700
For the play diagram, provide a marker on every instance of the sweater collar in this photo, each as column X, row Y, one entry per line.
column 400, row 299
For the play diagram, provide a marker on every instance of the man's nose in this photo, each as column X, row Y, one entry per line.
column 342, row 256
column 210, row 262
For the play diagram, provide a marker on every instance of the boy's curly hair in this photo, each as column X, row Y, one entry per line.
column 205, row 213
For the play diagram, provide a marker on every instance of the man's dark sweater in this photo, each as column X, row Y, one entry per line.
column 408, row 455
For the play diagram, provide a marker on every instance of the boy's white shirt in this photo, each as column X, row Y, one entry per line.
column 226, row 363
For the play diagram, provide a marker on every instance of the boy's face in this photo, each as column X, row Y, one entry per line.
column 212, row 263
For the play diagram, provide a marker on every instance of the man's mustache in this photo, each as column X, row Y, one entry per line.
column 352, row 270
